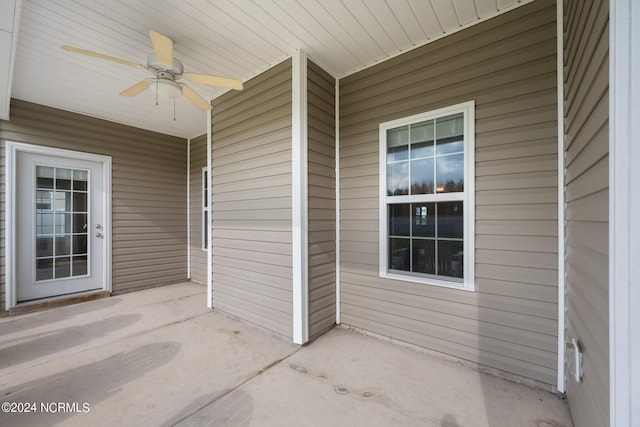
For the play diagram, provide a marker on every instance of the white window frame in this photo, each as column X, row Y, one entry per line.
column 468, row 283
column 206, row 211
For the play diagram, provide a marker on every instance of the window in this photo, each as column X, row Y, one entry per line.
column 205, row 209
column 427, row 197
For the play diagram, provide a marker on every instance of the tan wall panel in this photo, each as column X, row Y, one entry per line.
column 586, row 58
column 321, row 199
column 507, row 65
column 252, row 262
column 148, row 189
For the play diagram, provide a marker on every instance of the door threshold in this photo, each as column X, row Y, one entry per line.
column 59, row 301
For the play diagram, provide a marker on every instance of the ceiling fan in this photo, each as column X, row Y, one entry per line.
column 167, row 72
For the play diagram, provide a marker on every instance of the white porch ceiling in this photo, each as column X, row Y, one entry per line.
column 232, row 38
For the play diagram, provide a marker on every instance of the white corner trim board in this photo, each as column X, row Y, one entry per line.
column 299, row 178
column 624, row 209
column 561, row 377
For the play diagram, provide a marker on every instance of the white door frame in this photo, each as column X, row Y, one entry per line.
column 12, row 150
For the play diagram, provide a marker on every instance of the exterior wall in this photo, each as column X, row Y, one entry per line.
column 586, row 72
column 148, row 181
column 252, row 201
column 508, row 66
column 322, row 196
column 198, row 255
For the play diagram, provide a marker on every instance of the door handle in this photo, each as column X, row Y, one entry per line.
column 99, row 235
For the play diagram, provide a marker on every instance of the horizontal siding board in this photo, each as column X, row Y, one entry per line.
column 508, row 66
column 252, row 201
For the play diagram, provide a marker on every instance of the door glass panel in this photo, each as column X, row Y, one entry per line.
column 44, row 177
column 79, row 265
column 44, row 269
column 63, row 179
column 62, row 222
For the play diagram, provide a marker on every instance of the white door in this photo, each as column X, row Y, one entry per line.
column 60, row 228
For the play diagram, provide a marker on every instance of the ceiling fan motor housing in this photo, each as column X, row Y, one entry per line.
column 162, row 71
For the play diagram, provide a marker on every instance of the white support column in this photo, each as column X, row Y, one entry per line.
column 209, row 217
column 624, row 211
column 337, row 121
column 188, row 208
column 300, row 221
column 562, row 283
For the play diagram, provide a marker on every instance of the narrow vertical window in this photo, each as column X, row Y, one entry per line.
column 205, row 209
column 426, row 197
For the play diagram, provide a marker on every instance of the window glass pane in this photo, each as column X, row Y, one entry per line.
column 421, row 150
column 63, row 245
column 44, row 224
column 63, row 223
column 44, row 177
column 424, row 256
column 63, row 179
column 395, row 154
column 398, row 136
column 421, row 132
column 205, row 183
column 44, row 269
column 399, row 220
column 450, row 258
column 450, row 173
column 79, row 202
column 80, row 244
column 450, row 134
column 80, row 179
column 450, row 220
column 422, row 176
column 399, row 254
column 44, row 247
column 62, row 201
column 398, row 179
column 205, row 229
column 424, row 219
column 80, row 223
column 79, row 265
column 63, row 267
column 43, row 201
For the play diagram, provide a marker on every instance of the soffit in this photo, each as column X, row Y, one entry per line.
column 232, row 38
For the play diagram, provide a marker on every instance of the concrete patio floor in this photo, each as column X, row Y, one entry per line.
column 159, row 357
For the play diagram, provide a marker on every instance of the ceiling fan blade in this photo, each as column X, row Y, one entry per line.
column 163, row 48
column 101, row 56
column 136, row 88
column 197, row 100
column 210, row 80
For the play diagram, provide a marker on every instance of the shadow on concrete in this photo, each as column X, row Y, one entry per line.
column 217, row 409
column 48, row 317
column 449, row 421
column 88, row 384
column 62, row 339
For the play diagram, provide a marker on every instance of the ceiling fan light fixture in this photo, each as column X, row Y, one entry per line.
column 167, row 88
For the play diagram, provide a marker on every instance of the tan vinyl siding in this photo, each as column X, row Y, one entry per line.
column 508, row 66
column 586, row 62
column 198, row 255
column 322, row 206
column 148, row 188
column 252, row 173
